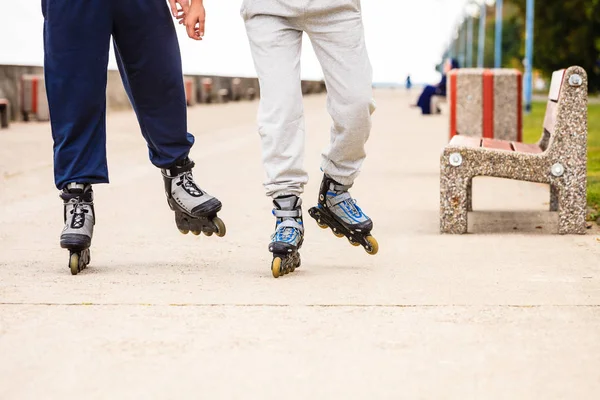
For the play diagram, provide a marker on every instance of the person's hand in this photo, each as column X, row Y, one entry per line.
column 177, row 12
column 194, row 20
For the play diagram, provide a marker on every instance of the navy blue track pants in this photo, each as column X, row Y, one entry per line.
column 77, row 36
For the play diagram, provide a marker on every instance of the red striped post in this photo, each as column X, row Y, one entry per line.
column 488, row 104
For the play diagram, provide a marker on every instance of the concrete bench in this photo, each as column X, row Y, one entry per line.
column 559, row 159
column 33, row 98
column 486, row 103
column 250, row 94
column 4, row 113
column 190, row 91
column 223, row 95
column 436, row 101
column 236, row 89
column 207, row 89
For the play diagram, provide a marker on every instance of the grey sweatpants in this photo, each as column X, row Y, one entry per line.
column 335, row 28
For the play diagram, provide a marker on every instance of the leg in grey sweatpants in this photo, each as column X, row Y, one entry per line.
column 335, row 28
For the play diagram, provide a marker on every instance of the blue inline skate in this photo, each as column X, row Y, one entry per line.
column 288, row 236
column 337, row 210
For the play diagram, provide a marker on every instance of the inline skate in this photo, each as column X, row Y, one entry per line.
column 337, row 210
column 79, row 218
column 195, row 210
column 288, row 236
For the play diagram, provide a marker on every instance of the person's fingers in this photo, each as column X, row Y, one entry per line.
column 173, row 4
column 191, row 28
column 185, row 5
column 201, row 27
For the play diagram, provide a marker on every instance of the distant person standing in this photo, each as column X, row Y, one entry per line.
column 335, row 28
column 408, row 83
column 77, row 36
column 429, row 91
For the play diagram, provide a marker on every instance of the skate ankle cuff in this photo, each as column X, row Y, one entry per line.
column 85, row 197
column 338, row 187
column 291, row 202
column 178, row 168
column 331, row 184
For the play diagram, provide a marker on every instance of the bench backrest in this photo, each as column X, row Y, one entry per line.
column 565, row 83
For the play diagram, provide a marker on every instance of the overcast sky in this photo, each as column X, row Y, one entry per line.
column 403, row 36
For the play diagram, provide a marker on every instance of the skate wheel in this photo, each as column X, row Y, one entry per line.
column 221, row 230
column 84, row 259
column 276, row 267
column 374, row 245
column 74, row 263
column 195, row 233
column 353, row 243
column 184, row 231
column 338, row 234
column 208, row 233
column 322, row 225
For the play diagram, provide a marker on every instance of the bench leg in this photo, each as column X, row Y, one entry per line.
column 453, row 204
column 553, row 198
column 470, row 195
column 4, row 118
column 572, row 209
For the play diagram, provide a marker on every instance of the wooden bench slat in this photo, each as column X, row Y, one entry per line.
column 550, row 117
column 526, row 148
column 496, row 144
column 465, row 141
column 555, row 85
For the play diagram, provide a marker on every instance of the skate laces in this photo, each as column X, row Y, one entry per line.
column 346, row 202
column 289, row 226
column 78, row 212
column 186, row 180
column 286, row 234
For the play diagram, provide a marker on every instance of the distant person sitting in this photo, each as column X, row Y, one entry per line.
column 424, row 101
column 408, row 83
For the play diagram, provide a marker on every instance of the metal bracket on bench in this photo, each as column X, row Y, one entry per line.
column 575, row 80
column 455, row 159
column 557, row 170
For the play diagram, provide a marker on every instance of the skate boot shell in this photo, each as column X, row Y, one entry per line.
column 195, row 210
column 287, row 239
column 79, row 218
column 337, row 210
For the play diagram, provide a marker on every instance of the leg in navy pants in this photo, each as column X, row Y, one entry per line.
column 77, row 35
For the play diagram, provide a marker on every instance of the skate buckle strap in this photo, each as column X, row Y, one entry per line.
column 338, row 187
column 340, row 198
column 290, row 223
column 287, row 213
column 178, row 169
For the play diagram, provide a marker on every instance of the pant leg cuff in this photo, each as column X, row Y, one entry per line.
column 330, row 170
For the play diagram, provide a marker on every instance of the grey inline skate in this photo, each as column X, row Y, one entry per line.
column 79, row 220
column 288, row 236
column 195, row 210
column 337, row 210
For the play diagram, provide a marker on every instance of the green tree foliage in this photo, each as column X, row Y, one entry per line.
column 567, row 33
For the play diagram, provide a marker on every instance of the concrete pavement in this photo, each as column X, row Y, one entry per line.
column 509, row 312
